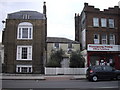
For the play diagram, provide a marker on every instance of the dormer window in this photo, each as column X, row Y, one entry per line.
column 26, row 16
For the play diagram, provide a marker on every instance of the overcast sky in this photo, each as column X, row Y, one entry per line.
column 60, row 13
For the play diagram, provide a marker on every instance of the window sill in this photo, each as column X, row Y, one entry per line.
column 96, row 26
column 24, row 39
column 24, row 59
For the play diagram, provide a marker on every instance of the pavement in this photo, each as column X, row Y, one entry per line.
column 40, row 77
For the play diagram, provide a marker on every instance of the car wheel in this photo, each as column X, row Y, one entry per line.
column 118, row 77
column 94, row 78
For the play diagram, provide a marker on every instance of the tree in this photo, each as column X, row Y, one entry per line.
column 55, row 58
column 77, row 60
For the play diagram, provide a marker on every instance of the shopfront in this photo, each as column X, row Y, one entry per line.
column 103, row 55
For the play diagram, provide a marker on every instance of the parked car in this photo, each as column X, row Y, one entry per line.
column 95, row 73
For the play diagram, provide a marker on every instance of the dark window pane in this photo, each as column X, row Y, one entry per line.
column 24, row 53
column 19, row 32
column 70, row 45
column 56, row 45
column 18, row 69
column 24, row 69
column 24, row 32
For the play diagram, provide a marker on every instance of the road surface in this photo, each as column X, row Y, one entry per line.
column 59, row 84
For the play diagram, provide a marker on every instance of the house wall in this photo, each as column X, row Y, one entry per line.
column 63, row 46
column 92, row 12
column 11, row 42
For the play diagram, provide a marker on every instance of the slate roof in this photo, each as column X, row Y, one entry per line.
column 60, row 40
column 20, row 14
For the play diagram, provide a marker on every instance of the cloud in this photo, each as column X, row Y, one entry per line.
column 9, row 1
column 0, row 36
column 60, row 30
column 60, row 13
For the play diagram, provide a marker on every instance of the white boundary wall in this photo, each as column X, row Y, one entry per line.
column 65, row 71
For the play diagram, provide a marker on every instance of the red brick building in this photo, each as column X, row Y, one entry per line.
column 99, row 35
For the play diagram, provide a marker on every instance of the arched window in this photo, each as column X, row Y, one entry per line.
column 25, row 30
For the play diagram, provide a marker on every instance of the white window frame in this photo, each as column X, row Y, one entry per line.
column 104, row 39
column 19, row 52
column 112, row 40
column 96, row 22
column 111, row 23
column 19, row 68
column 97, row 41
column 26, row 16
column 21, row 27
column 103, row 22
